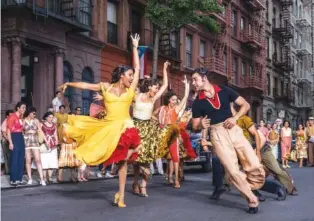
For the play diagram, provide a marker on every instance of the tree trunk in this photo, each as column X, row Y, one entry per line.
column 156, row 52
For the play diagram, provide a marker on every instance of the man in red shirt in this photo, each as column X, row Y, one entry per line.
column 212, row 109
column 16, row 144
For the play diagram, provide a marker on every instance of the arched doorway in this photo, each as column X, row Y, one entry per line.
column 87, row 95
column 68, row 77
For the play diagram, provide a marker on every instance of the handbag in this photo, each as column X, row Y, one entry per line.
column 44, row 148
column 293, row 156
column 41, row 138
column 95, row 109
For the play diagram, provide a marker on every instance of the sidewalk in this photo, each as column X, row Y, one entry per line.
column 66, row 176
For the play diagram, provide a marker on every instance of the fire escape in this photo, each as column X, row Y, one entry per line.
column 76, row 13
column 217, row 62
column 253, row 38
column 282, row 61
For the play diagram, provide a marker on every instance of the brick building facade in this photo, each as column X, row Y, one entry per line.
column 46, row 43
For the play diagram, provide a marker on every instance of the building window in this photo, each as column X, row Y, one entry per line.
column 267, row 13
column 68, row 77
column 135, row 22
column 174, row 44
column 275, row 86
column 234, row 23
column 225, row 62
column 112, row 23
column 251, row 70
column 84, row 12
column 202, row 50
column 242, row 24
column 87, row 95
column 235, row 69
column 267, row 47
column 188, row 50
column 268, row 84
column 243, row 68
column 274, row 17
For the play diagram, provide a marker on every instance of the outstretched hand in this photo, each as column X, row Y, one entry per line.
column 135, row 40
column 185, row 80
column 166, row 64
column 63, row 87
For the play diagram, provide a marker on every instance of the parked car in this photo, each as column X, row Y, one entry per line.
column 203, row 158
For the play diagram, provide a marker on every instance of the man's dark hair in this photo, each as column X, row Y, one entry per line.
column 62, row 106
column 57, row 92
column 77, row 108
column 8, row 112
column 203, row 72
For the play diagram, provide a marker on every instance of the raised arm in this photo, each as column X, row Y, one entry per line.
column 186, row 95
column 164, row 82
column 82, row 85
column 135, row 41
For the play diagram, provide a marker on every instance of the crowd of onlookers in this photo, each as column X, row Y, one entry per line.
column 295, row 145
column 36, row 144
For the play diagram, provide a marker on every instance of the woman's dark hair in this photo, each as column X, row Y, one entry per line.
column 262, row 120
column 19, row 105
column 168, row 96
column 202, row 72
column 146, row 83
column 286, row 121
column 8, row 112
column 29, row 110
column 62, row 106
column 47, row 115
column 118, row 71
column 57, row 92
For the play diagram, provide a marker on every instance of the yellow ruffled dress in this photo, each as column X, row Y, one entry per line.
column 98, row 139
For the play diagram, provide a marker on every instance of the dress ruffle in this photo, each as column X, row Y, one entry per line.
column 130, row 139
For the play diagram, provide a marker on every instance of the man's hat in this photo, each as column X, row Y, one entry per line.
column 311, row 118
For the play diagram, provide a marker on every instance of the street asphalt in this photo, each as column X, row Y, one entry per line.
column 93, row 201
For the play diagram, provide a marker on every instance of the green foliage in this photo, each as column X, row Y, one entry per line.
column 169, row 15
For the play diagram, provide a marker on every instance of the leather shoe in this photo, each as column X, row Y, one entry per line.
column 253, row 210
column 218, row 192
column 260, row 196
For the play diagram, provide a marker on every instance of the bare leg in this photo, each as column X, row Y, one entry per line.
column 170, row 166
column 143, row 187
column 60, row 171
column 28, row 156
column 45, row 175
column 176, row 174
column 301, row 162
column 50, row 172
column 119, row 197
column 37, row 159
column 135, row 185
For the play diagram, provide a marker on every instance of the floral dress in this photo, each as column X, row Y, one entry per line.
column 301, row 145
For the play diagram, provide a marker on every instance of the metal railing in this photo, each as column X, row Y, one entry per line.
column 306, row 77
column 75, row 12
column 215, row 65
column 304, row 19
column 304, row 47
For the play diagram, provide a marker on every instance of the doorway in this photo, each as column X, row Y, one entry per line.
column 27, row 77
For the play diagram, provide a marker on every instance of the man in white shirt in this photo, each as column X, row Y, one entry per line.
column 57, row 101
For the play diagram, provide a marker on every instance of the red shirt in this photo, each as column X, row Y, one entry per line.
column 14, row 123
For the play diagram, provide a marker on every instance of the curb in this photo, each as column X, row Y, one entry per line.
column 56, row 183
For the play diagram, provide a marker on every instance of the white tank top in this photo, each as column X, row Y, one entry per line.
column 286, row 132
column 142, row 110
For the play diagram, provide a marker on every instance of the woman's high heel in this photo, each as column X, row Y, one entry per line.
column 117, row 201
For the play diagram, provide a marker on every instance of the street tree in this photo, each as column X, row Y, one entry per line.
column 169, row 15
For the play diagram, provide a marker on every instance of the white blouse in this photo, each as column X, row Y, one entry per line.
column 286, row 132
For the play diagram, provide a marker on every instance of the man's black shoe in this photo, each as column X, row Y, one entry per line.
column 218, row 192
column 253, row 210
column 281, row 194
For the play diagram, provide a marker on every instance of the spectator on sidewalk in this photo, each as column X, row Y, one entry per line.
column 310, row 137
column 5, row 142
column 16, row 144
column 57, row 102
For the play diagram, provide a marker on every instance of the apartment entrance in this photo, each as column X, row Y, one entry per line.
column 27, row 77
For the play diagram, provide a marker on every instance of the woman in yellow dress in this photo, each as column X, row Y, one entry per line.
column 113, row 139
